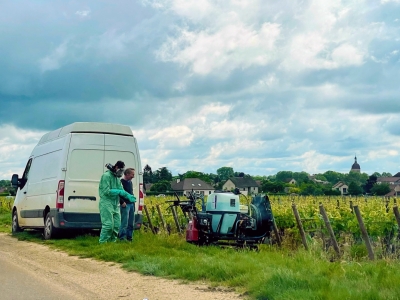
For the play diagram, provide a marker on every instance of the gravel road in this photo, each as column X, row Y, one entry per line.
column 77, row 278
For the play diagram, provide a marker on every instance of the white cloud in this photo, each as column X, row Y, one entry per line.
column 15, row 147
column 55, row 59
column 347, row 55
column 174, row 136
column 233, row 46
column 83, row 13
column 192, row 9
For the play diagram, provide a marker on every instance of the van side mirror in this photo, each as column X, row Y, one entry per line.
column 15, row 181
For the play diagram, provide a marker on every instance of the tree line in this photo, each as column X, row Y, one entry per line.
column 306, row 184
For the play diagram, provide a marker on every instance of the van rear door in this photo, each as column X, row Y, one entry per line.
column 119, row 147
column 85, row 166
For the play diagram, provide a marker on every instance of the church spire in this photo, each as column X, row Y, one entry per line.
column 355, row 167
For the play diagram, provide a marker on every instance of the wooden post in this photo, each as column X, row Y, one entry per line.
column 351, row 207
column 329, row 227
column 300, row 226
column 149, row 219
column 364, row 233
column 397, row 215
column 276, row 232
column 162, row 218
column 176, row 219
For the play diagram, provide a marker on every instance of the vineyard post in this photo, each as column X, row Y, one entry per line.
column 162, row 217
column 176, row 219
column 300, row 225
column 149, row 219
column 351, row 207
column 397, row 215
column 329, row 227
column 364, row 233
column 276, row 232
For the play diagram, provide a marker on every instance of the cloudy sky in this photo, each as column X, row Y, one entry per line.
column 258, row 85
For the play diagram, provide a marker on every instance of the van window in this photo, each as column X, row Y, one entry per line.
column 24, row 178
column 85, row 164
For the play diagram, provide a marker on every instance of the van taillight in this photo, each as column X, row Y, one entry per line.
column 60, row 194
column 141, row 197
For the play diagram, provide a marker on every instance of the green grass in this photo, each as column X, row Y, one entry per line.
column 270, row 273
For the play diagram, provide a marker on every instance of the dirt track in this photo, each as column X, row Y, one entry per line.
column 91, row 279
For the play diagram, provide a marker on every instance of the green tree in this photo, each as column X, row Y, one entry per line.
column 162, row 174
column 225, row 173
column 272, row 187
column 161, row 186
column 311, row 188
column 284, row 175
column 354, row 189
column 259, row 177
column 5, row 183
column 359, row 178
column 147, row 174
column 333, row 177
column 200, row 175
column 332, row 192
column 301, row 177
column 380, row 189
column 386, row 174
column 320, row 177
column 370, row 183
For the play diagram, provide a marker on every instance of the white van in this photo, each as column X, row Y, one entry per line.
column 59, row 188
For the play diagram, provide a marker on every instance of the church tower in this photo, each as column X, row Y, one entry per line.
column 355, row 167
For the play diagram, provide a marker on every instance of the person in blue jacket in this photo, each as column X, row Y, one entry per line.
column 110, row 189
column 127, row 208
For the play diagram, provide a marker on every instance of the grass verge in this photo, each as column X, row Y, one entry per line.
column 266, row 274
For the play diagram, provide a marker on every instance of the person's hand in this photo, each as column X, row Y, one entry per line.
column 132, row 198
column 123, row 204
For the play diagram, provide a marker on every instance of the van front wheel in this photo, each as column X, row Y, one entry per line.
column 49, row 230
column 15, row 225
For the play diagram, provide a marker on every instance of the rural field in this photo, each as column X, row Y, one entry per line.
column 299, row 267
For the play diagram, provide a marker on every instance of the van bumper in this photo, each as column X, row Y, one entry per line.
column 84, row 220
column 76, row 220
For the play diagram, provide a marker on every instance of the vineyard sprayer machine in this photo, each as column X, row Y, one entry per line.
column 223, row 221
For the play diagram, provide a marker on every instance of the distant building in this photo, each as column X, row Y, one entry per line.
column 312, row 177
column 394, row 184
column 342, row 187
column 394, row 191
column 198, row 186
column 246, row 185
column 390, row 180
column 290, row 181
column 355, row 167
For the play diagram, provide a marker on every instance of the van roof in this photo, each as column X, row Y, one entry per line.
column 87, row 127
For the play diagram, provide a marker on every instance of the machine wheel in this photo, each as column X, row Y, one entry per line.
column 15, row 225
column 49, row 230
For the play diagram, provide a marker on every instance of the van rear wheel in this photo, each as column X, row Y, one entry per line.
column 49, row 230
column 15, row 225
